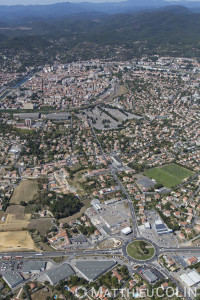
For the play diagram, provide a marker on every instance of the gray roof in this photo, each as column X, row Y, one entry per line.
column 80, row 239
column 13, row 279
column 58, row 116
column 92, row 269
column 106, row 229
column 61, row 272
column 27, row 115
column 145, row 182
column 33, row 266
column 150, row 276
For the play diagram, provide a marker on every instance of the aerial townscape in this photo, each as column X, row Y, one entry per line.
column 99, row 171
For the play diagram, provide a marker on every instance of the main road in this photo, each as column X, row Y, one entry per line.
column 136, row 235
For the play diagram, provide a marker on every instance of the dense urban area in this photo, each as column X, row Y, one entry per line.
column 100, row 180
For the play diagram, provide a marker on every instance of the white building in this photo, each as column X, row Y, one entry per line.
column 126, row 230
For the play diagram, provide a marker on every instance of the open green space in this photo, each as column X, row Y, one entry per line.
column 140, row 250
column 169, row 176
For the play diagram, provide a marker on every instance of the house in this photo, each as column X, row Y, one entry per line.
column 73, row 289
column 181, row 236
column 62, row 235
column 119, row 277
column 197, row 228
column 33, row 285
column 132, row 283
column 166, row 213
column 192, row 260
column 164, row 285
column 177, row 214
column 189, row 219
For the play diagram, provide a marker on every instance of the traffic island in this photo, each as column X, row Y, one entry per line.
column 140, row 250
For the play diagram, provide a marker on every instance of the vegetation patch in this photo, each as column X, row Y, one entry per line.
column 140, row 250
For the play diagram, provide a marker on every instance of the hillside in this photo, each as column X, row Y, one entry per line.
column 173, row 30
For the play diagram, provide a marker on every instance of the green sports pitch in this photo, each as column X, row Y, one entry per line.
column 169, row 176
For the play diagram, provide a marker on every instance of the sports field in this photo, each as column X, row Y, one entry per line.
column 169, row 176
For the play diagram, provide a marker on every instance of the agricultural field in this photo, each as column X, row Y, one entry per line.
column 15, row 219
column 16, row 241
column 25, row 191
column 169, row 176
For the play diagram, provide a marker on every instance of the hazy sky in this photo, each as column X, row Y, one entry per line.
column 28, row 2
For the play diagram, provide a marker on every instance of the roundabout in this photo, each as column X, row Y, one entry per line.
column 140, row 250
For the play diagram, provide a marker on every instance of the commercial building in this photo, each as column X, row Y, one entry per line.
column 13, row 279
column 191, row 278
column 147, row 225
column 117, row 160
column 14, row 150
column 58, row 116
column 150, row 277
column 126, row 230
column 92, row 269
column 105, row 230
column 112, row 220
column 112, row 201
column 161, row 228
column 61, row 272
column 145, row 183
column 35, row 266
column 24, row 116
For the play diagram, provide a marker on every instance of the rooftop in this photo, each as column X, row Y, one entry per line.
column 94, row 268
column 59, row 273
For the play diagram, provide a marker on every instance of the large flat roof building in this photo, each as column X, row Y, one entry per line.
column 112, row 220
column 35, row 266
column 161, row 228
column 58, row 116
column 191, row 278
column 13, row 279
column 92, row 269
column 63, row 271
column 150, row 276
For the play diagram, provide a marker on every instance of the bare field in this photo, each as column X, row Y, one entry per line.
column 25, row 191
column 110, row 243
column 15, row 209
column 15, row 219
column 15, row 222
column 15, row 241
column 122, row 90
column 41, row 225
column 41, row 295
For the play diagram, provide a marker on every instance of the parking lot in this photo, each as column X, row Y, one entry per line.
column 10, row 266
column 165, row 240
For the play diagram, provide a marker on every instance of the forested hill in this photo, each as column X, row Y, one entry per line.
column 173, row 30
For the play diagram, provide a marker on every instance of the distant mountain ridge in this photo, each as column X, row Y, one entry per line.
column 169, row 30
column 18, row 13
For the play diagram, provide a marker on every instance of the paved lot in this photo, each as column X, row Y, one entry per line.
column 166, row 240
